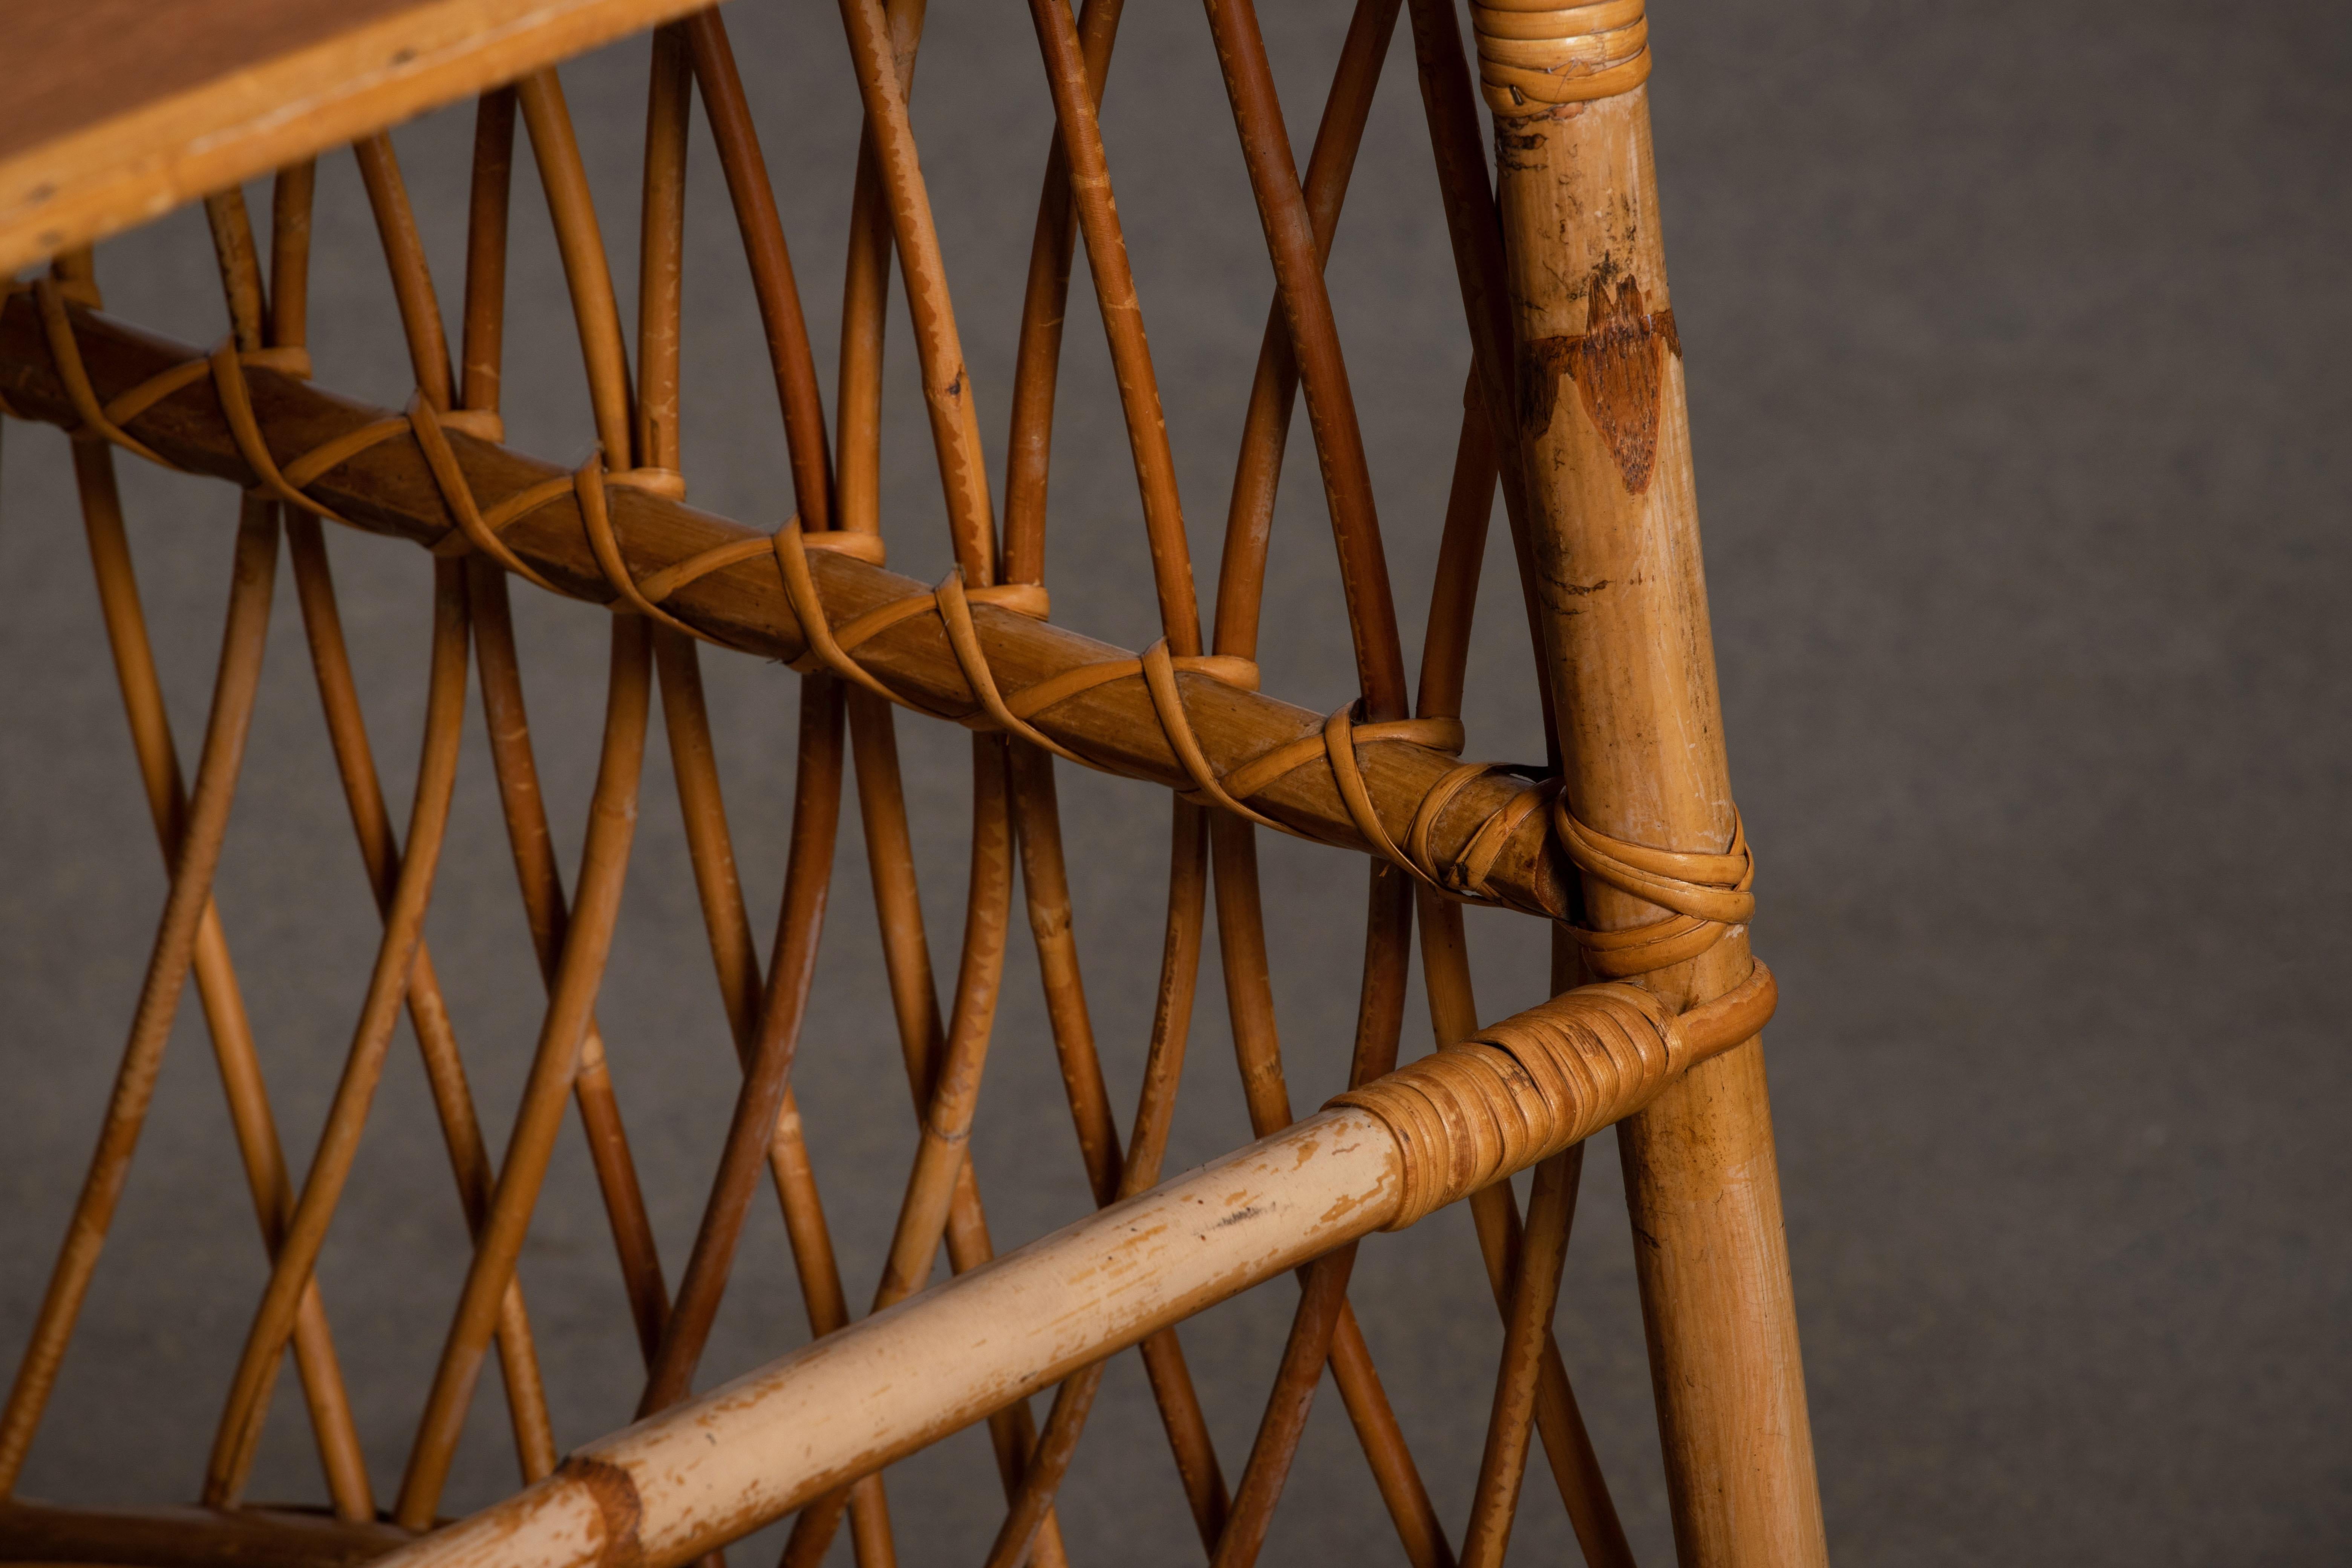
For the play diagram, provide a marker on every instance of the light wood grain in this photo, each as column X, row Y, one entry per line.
column 133, row 108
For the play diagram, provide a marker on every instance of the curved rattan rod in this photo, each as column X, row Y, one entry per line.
column 1080, row 143
column 444, row 1072
column 922, row 1034
column 1315, row 338
column 169, row 959
column 554, row 1067
column 438, row 1046
column 1274, row 385
column 1078, row 61
column 773, row 288
column 340, row 1456
column 1240, row 919
column 322, row 1185
column 540, row 884
column 952, row 1096
column 939, row 346
column 324, row 1394
column 1179, row 966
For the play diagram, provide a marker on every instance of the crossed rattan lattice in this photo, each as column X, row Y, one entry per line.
column 1440, row 832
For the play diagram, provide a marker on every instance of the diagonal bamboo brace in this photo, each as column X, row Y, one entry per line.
column 386, row 483
column 667, row 1491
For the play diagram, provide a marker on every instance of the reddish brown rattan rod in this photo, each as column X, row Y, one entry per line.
column 216, row 977
column 387, row 489
column 189, row 1536
column 169, row 960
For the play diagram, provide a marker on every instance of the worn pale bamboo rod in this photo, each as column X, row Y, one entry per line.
column 612, row 824
column 1609, row 470
column 772, row 285
column 1527, row 1328
column 324, row 1394
column 247, row 1405
column 665, row 1490
column 1315, row 340
column 247, row 628
column 444, row 1072
column 387, row 488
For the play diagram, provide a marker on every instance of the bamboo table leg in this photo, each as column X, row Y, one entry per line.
column 1607, row 448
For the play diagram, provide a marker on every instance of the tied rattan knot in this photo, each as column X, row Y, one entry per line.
column 1708, row 895
column 1533, row 55
column 1521, row 1090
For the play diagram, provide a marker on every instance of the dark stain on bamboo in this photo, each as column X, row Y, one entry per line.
column 1618, row 368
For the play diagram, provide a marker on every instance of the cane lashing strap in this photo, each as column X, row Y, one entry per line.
column 1705, row 895
column 1529, row 1087
column 1533, row 54
column 1469, row 1115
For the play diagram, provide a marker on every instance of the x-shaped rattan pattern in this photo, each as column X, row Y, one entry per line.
column 843, row 712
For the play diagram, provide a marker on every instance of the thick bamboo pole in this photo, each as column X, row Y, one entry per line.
column 386, row 487
column 1608, row 465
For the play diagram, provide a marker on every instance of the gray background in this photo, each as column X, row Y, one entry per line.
column 2016, row 340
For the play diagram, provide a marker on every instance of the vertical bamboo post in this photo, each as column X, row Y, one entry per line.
column 1606, row 440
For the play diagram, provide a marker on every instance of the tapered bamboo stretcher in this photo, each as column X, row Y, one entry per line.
column 1626, row 840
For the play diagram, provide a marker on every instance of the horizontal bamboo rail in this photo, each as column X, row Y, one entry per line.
column 387, row 485
column 667, row 1491
column 189, row 1536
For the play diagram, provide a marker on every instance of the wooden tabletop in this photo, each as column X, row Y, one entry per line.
column 118, row 110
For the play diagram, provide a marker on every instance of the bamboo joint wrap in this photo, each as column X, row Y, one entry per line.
column 1533, row 56
column 1523, row 1089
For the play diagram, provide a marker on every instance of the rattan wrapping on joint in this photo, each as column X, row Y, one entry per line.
column 1522, row 1089
column 1533, row 55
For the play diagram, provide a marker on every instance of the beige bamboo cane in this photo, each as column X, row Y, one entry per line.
column 1606, row 444
column 667, row 1490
